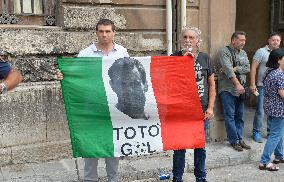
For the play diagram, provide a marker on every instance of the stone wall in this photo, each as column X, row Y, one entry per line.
column 33, row 126
column 221, row 26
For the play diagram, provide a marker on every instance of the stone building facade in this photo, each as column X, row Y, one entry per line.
column 33, row 125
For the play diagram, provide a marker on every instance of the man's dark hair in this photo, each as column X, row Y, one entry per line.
column 105, row 22
column 125, row 65
column 236, row 34
column 274, row 34
column 274, row 56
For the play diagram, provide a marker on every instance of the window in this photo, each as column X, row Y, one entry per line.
column 34, row 7
column 277, row 15
column 36, row 12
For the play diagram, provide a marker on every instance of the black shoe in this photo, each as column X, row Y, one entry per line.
column 175, row 180
column 245, row 146
column 276, row 161
column 237, row 147
column 201, row 180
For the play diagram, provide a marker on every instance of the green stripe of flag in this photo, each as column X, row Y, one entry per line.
column 85, row 99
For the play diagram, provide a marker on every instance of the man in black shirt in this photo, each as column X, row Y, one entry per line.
column 190, row 41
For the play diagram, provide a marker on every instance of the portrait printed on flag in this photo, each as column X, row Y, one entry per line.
column 132, row 106
column 128, row 80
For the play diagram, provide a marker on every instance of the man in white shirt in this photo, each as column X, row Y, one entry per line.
column 257, row 72
column 105, row 47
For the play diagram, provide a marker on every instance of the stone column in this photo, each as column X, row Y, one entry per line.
column 222, row 18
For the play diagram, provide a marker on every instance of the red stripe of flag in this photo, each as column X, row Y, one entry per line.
column 179, row 107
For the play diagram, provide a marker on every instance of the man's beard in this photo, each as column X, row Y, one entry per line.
column 132, row 106
column 239, row 47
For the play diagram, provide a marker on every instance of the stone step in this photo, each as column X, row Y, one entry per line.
column 141, row 168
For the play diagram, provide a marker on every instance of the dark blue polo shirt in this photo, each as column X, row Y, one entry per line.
column 5, row 68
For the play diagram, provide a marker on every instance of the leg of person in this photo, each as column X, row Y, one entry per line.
column 178, row 165
column 259, row 116
column 273, row 139
column 200, row 158
column 90, row 169
column 278, row 152
column 206, row 128
column 228, row 102
column 112, row 169
column 239, row 113
column 199, row 164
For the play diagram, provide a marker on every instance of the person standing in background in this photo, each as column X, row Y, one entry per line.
column 274, row 108
column 259, row 61
column 234, row 67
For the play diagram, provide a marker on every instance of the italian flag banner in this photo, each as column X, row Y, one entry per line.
column 131, row 106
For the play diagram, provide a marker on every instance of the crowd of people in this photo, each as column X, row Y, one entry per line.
column 266, row 82
column 268, row 88
column 233, row 66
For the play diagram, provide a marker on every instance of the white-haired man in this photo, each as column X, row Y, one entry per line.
column 190, row 41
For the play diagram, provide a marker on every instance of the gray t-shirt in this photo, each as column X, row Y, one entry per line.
column 261, row 57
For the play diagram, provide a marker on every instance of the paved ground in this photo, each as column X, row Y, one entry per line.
column 238, row 173
column 223, row 164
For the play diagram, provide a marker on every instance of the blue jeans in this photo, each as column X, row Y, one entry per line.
column 259, row 112
column 233, row 109
column 274, row 141
column 199, row 161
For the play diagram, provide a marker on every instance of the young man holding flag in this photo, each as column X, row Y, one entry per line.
column 190, row 41
column 105, row 47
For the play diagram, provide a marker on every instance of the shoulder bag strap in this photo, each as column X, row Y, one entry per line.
column 233, row 55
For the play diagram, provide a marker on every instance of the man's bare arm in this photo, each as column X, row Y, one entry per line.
column 13, row 79
column 240, row 89
column 254, row 66
column 212, row 94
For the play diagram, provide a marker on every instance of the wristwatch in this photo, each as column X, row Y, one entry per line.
column 4, row 88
